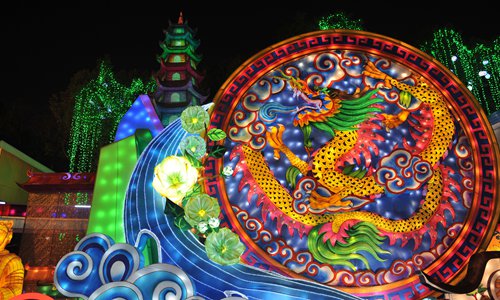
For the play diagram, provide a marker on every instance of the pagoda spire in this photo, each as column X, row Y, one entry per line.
column 181, row 19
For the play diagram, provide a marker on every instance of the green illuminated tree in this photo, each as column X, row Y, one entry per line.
column 339, row 20
column 99, row 107
column 61, row 105
column 478, row 68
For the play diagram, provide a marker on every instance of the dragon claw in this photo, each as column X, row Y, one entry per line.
column 274, row 137
column 393, row 121
column 372, row 71
column 317, row 201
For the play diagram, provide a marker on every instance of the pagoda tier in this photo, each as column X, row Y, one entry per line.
column 170, row 74
column 181, row 94
column 181, row 97
column 180, row 50
column 171, row 40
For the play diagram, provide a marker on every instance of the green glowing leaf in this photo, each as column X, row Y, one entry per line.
column 348, row 169
column 194, row 191
column 324, row 127
column 359, row 173
column 362, row 239
column 194, row 162
column 181, row 223
column 216, row 134
column 217, row 151
column 173, row 209
column 405, row 99
column 291, row 176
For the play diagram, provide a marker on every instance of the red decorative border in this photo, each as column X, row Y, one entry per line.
column 483, row 217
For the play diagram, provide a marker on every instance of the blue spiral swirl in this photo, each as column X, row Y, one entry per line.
column 119, row 262
column 268, row 112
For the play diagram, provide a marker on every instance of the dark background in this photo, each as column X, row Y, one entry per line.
column 44, row 44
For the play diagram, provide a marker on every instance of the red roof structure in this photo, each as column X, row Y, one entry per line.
column 67, row 182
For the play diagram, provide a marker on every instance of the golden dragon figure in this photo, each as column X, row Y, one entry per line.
column 322, row 164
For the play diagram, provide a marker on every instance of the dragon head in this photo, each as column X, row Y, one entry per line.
column 298, row 85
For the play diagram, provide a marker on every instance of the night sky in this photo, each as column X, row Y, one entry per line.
column 44, row 44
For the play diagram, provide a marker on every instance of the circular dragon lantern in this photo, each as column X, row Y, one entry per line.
column 359, row 163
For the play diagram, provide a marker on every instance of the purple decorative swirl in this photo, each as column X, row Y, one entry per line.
column 366, row 278
column 66, row 176
column 352, row 63
column 73, row 176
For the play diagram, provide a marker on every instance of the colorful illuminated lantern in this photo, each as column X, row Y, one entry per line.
column 358, row 162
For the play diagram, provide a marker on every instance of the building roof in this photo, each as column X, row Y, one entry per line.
column 63, row 182
column 30, row 161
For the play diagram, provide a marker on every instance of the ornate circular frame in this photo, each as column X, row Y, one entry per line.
column 478, row 220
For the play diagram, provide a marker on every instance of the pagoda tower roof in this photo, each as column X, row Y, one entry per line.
column 175, row 67
column 187, row 49
column 187, row 35
column 179, row 39
column 173, row 33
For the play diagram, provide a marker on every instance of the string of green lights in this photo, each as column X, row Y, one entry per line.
column 99, row 107
column 478, row 68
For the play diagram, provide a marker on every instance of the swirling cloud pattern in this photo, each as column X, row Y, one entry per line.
column 101, row 269
column 401, row 171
